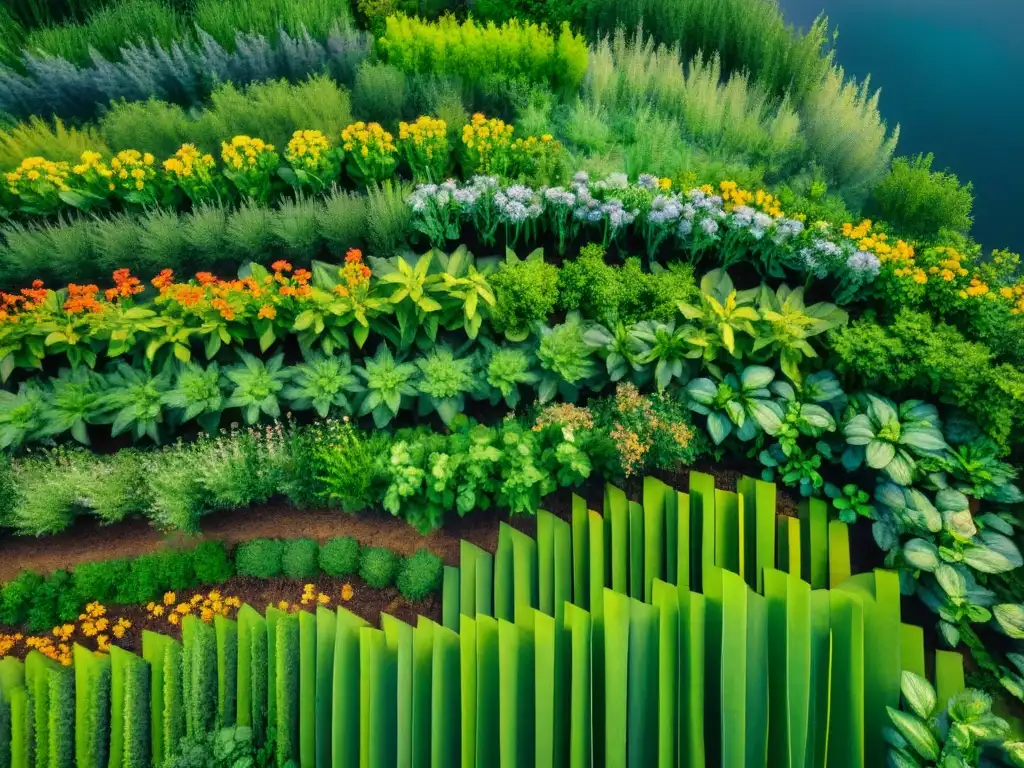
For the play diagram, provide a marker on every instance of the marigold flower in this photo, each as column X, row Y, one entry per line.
column 346, row 592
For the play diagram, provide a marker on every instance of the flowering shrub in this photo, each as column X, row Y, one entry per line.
column 133, row 177
column 193, row 173
column 370, row 150
column 487, row 145
column 91, row 180
column 249, row 164
column 313, row 162
column 38, row 184
column 424, row 145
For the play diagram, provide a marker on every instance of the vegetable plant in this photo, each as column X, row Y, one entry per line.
column 565, row 361
column 257, row 386
column 443, row 383
column 197, row 394
column 321, row 383
column 507, row 369
column 888, row 438
column 385, row 382
column 850, row 502
column 136, row 399
column 740, row 404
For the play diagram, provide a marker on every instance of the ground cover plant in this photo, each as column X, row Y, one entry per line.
column 447, row 266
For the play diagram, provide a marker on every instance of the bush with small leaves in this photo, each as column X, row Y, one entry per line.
column 340, row 556
column 211, row 563
column 260, row 558
column 378, row 567
column 420, row 574
column 299, row 559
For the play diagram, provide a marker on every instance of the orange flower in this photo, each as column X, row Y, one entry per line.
column 346, row 592
column 205, row 278
column 110, row 293
column 268, row 312
column 164, row 279
column 281, row 266
column 286, row 290
column 354, row 256
column 37, row 284
column 302, row 275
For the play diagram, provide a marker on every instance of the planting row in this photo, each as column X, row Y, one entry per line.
column 252, row 168
column 40, row 602
column 686, row 655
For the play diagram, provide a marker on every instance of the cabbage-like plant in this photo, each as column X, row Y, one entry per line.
column 565, row 360
column 951, row 736
column 197, row 394
column 135, row 399
column 443, row 383
column 785, row 325
column 888, row 438
column 385, row 382
column 507, row 369
column 76, row 400
column 742, row 403
column 23, row 415
column 667, row 348
column 257, row 386
column 321, row 383
column 621, row 351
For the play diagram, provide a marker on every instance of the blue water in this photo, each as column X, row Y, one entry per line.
column 952, row 75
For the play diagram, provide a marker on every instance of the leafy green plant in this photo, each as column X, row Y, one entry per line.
column 197, row 394
column 299, row 559
column 257, row 386
column 525, row 293
column 565, row 362
column 888, row 438
column 75, row 401
column 420, row 575
column 850, row 502
column 722, row 315
column 378, row 567
column 210, row 563
column 977, row 471
column 340, row 556
column 919, row 201
column 260, row 558
column 949, row 736
column 666, row 347
column 737, row 403
column 785, row 325
column 444, row 381
column 135, row 398
column 507, row 369
column 385, row 381
column 321, row 383
column 22, row 415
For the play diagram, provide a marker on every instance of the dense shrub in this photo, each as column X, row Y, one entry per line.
column 626, row 294
column 183, row 74
column 919, row 201
column 915, row 355
column 379, row 93
column 55, row 141
column 420, row 575
column 99, row 581
column 260, row 558
column 475, row 52
column 16, row 597
column 211, row 563
column 525, row 292
column 340, row 556
column 378, row 567
column 299, row 559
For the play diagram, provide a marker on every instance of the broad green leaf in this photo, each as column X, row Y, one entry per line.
column 921, row 555
column 918, row 693
column 1010, row 617
column 916, row 732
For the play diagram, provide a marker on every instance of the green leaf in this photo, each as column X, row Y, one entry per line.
column 921, row 555
column 919, row 694
column 879, row 454
column 719, row 427
column 1010, row 617
column 916, row 732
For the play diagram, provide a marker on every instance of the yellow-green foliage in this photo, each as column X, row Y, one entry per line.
column 476, row 51
column 54, row 142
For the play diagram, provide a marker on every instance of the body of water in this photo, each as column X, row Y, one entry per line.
column 952, row 75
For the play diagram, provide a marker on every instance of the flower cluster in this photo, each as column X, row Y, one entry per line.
column 133, row 176
column 311, row 596
column 487, row 143
column 313, row 161
column 38, row 183
column 424, row 145
column 250, row 163
column 371, row 151
column 354, row 277
column 205, row 606
column 192, row 171
column 92, row 175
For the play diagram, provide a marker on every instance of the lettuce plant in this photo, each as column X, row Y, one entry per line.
column 23, row 415
column 742, row 403
column 565, row 361
column 321, row 383
column 507, row 369
column 197, row 394
column 136, row 399
column 385, row 381
column 621, row 350
column 888, row 438
column 76, row 400
column 443, row 383
column 257, row 386
column 667, row 348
